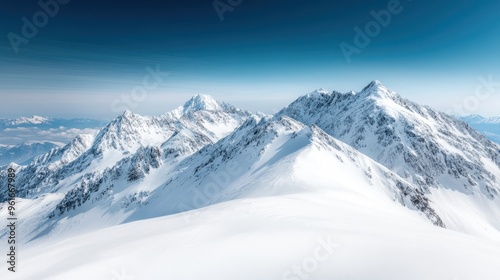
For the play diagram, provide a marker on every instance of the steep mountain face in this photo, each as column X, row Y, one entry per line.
column 206, row 152
column 488, row 126
column 45, row 170
column 130, row 131
column 427, row 147
column 243, row 164
column 60, row 170
column 68, row 153
column 383, row 175
column 24, row 153
column 101, row 185
column 440, row 155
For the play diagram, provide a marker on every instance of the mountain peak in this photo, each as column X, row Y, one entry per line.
column 374, row 85
column 202, row 102
column 199, row 102
column 127, row 113
column 33, row 120
column 377, row 89
column 128, row 116
column 318, row 92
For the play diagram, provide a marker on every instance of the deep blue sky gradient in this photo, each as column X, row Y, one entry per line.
column 262, row 56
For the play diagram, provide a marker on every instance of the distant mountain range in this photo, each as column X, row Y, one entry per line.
column 47, row 123
column 488, row 126
column 22, row 139
column 24, row 153
column 30, row 146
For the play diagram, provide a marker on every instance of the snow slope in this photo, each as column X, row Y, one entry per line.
column 122, row 156
column 428, row 147
column 242, row 165
column 316, row 225
column 431, row 150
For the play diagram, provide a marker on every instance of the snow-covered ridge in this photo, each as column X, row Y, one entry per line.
column 123, row 137
column 202, row 102
column 431, row 150
column 32, row 120
column 386, row 147
column 428, row 147
column 256, row 150
column 385, row 184
column 477, row 119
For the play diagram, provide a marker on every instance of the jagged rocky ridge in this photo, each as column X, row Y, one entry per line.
column 141, row 167
column 424, row 146
column 122, row 138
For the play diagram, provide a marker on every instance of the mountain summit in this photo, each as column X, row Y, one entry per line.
column 377, row 89
column 200, row 102
column 428, row 148
column 357, row 165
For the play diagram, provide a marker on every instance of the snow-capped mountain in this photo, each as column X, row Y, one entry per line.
column 125, row 146
column 24, row 138
column 200, row 102
column 46, row 122
column 423, row 145
column 147, row 184
column 480, row 119
column 488, row 126
column 361, row 164
column 42, row 129
column 24, row 153
column 430, row 149
column 130, row 158
column 30, row 120
column 68, row 153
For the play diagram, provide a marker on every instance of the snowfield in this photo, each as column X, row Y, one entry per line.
column 270, row 238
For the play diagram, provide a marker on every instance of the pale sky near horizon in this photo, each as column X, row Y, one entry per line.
column 91, row 57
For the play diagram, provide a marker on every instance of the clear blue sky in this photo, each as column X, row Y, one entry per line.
column 262, row 56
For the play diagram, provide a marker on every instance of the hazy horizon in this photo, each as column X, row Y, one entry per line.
column 256, row 55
